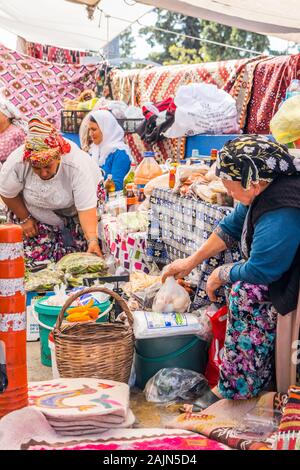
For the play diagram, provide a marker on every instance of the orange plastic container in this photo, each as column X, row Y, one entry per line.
column 12, row 318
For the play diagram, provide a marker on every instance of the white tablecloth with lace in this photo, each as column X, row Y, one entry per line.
column 128, row 249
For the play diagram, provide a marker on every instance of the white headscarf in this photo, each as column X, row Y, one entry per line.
column 113, row 136
column 10, row 111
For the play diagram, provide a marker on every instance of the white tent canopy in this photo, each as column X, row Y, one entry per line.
column 64, row 24
column 280, row 18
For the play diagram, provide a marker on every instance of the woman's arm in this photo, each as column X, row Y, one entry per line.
column 182, row 267
column 89, row 224
column 17, row 206
column 227, row 233
column 275, row 243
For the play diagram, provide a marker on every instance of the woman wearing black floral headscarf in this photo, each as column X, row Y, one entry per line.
column 261, row 175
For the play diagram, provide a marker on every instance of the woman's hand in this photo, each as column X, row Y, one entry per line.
column 179, row 269
column 213, row 283
column 95, row 248
column 30, row 228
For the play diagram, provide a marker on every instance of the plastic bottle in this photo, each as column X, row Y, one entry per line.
column 172, row 175
column 293, row 89
column 213, row 156
column 195, row 153
column 129, row 178
column 110, row 186
column 131, row 199
column 147, row 170
column 142, row 196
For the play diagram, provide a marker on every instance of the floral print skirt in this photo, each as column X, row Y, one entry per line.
column 249, row 351
column 52, row 243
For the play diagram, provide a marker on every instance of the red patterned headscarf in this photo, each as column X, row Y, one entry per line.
column 43, row 143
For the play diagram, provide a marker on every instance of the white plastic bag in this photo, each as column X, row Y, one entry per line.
column 59, row 298
column 171, row 298
column 203, row 109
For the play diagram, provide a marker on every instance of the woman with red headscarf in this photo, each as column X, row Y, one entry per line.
column 50, row 188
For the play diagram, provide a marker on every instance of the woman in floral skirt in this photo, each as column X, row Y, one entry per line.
column 263, row 177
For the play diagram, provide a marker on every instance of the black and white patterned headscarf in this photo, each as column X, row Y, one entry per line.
column 254, row 158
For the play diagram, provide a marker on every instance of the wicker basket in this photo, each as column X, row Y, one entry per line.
column 101, row 350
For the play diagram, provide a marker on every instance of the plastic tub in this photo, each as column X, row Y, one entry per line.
column 153, row 354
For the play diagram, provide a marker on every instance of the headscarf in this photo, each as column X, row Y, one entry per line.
column 43, row 143
column 113, row 136
column 249, row 159
column 10, row 111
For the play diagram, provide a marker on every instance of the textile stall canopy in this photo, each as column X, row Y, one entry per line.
column 66, row 24
column 280, row 18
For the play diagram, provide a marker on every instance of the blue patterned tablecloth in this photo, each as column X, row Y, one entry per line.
column 177, row 228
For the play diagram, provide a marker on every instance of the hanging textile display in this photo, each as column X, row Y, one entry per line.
column 54, row 54
column 156, row 84
column 38, row 87
column 271, row 79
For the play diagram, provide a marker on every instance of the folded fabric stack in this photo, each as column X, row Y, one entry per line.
column 75, row 407
column 288, row 437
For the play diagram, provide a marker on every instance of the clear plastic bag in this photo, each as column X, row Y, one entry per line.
column 171, row 298
column 59, row 298
column 175, row 383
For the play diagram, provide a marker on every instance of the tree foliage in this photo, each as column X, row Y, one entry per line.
column 184, row 49
column 127, row 43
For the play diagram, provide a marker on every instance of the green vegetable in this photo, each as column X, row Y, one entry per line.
column 82, row 263
column 43, row 280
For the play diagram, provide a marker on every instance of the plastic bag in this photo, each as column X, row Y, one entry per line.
column 215, row 353
column 59, row 298
column 171, row 298
column 259, row 423
column 285, row 124
column 44, row 280
column 203, row 109
column 81, row 263
column 160, row 182
column 174, row 383
column 133, row 112
column 146, row 296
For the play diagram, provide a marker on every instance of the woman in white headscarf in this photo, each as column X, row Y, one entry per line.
column 12, row 129
column 108, row 149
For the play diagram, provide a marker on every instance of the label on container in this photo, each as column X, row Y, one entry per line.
column 165, row 320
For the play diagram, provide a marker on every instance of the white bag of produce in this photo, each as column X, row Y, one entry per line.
column 171, row 298
column 160, row 182
column 203, row 109
column 156, row 325
column 129, row 222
